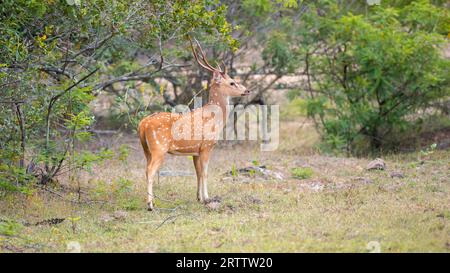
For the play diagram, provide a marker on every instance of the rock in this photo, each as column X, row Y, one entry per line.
column 215, row 199
column 120, row 215
column 340, row 186
column 217, row 244
column 261, row 171
column 314, row 186
column 213, row 205
column 317, row 187
column 273, row 174
column 151, row 249
column 253, row 200
column 377, row 164
column 73, row 247
column 105, row 218
column 226, row 179
column 364, row 180
column 397, row 174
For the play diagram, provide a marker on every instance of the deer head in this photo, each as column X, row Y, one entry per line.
column 224, row 83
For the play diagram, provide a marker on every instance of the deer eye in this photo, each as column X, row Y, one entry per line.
column 232, row 84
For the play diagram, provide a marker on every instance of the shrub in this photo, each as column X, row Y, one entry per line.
column 302, row 173
column 371, row 75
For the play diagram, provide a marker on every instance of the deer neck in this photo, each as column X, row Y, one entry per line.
column 217, row 98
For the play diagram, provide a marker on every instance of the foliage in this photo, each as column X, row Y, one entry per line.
column 368, row 74
column 296, row 107
column 360, row 61
column 56, row 57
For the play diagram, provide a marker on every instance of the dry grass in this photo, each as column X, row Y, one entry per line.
column 341, row 207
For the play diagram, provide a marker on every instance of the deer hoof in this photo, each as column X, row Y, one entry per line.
column 150, row 206
column 199, row 199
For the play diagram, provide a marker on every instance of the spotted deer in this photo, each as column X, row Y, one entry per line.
column 194, row 133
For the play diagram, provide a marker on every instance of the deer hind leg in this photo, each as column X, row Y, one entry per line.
column 153, row 166
column 143, row 140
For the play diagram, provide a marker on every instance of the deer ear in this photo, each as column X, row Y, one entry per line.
column 217, row 77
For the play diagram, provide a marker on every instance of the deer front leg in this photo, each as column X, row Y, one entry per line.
column 201, row 169
column 199, row 172
column 204, row 180
column 152, row 167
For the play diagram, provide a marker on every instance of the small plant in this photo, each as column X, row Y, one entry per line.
column 233, row 171
column 123, row 186
column 302, row 173
column 123, row 192
column 73, row 221
column 428, row 151
column 100, row 190
column 129, row 203
column 124, row 151
column 9, row 228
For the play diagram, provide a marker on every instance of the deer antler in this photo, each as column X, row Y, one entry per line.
column 225, row 70
column 205, row 63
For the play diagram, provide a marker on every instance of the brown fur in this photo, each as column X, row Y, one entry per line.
column 156, row 136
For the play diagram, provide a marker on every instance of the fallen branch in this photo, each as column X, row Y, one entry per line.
column 171, row 218
column 49, row 222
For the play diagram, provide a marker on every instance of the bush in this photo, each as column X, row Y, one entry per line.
column 372, row 75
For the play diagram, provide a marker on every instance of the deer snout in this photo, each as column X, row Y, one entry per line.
column 246, row 92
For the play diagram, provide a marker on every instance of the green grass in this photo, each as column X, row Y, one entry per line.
column 302, row 173
column 344, row 214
